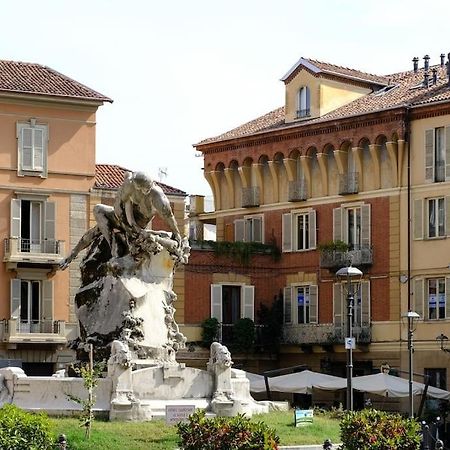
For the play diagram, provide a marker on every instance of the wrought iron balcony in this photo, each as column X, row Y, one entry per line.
column 250, row 197
column 298, row 191
column 358, row 256
column 47, row 251
column 303, row 113
column 349, row 183
column 323, row 334
column 15, row 330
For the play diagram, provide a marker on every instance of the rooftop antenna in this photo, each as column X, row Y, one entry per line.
column 162, row 174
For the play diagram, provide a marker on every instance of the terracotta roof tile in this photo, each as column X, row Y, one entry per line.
column 111, row 176
column 405, row 88
column 29, row 78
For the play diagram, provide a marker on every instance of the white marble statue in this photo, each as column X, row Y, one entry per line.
column 220, row 365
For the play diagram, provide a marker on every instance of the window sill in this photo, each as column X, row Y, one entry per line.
column 32, row 173
column 437, row 238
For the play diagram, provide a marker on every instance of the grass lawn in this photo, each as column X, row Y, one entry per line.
column 157, row 435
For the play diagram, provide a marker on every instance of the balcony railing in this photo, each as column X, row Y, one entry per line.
column 250, row 197
column 358, row 256
column 323, row 334
column 349, row 183
column 225, row 335
column 46, row 330
column 298, row 191
column 46, row 250
column 303, row 113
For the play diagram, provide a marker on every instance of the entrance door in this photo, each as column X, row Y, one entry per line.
column 231, row 310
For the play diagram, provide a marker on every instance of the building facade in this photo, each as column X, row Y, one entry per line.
column 352, row 169
column 47, row 168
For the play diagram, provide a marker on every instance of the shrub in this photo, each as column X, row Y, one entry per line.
column 222, row 433
column 370, row 429
column 244, row 335
column 20, row 430
column 210, row 330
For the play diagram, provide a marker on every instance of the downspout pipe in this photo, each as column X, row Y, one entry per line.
column 408, row 181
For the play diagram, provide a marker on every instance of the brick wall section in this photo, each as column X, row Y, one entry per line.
column 269, row 277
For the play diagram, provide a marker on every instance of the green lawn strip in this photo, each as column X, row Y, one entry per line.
column 157, row 435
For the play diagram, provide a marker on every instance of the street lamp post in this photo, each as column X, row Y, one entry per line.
column 347, row 274
column 411, row 315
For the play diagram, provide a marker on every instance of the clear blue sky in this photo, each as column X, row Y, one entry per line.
column 180, row 71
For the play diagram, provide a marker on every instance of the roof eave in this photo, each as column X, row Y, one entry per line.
column 55, row 98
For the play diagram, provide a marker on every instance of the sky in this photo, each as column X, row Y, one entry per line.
column 181, row 71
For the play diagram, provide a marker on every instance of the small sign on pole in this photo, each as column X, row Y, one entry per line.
column 178, row 413
column 350, row 343
column 303, row 416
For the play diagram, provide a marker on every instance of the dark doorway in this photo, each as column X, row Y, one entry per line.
column 38, row 369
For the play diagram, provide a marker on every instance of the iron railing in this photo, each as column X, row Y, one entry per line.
column 349, row 183
column 361, row 255
column 250, row 197
column 38, row 246
column 303, row 113
column 297, row 190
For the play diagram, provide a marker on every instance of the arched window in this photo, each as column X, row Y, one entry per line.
column 303, row 102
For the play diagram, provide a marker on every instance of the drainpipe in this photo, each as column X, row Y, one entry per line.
column 408, row 172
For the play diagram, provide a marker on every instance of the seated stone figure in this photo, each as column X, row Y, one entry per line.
column 137, row 201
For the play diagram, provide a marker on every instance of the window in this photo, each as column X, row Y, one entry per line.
column 249, row 229
column 299, row 231
column 300, row 304
column 32, row 148
column 351, row 224
column 230, row 302
column 437, row 154
column 437, row 378
column 33, row 223
column 436, row 298
column 361, row 305
column 32, row 305
column 436, row 217
column 303, row 102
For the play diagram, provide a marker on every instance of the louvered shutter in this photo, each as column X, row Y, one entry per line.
column 15, row 217
column 337, row 307
column 38, row 148
column 365, row 303
column 49, row 227
column 239, row 230
column 47, row 300
column 256, row 223
column 312, row 229
column 429, row 155
column 418, row 297
column 365, row 225
column 447, row 153
column 447, row 296
column 248, row 304
column 337, row 224
column 287, row 232
column 447, row 215
column 15, row 298
column 313, row 304
column 308, row 99
column 26, row 148
column 287, row 305
column 216, row 301
column 418, row 219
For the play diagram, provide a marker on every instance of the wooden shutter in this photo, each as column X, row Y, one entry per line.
column 337, row 306
column 239, row 230
column 312, row 229
column 418, row 219
column 287, row 305
column 447, row 215
column 257, row 225
column 447, row 153
column 287, row 232
column 313, row 304
column 15, row 298
column 308, row 98
column 365, row 225
column 248, row 303
column 49, row 227
column 337, row 224
column 365, row 303
column 15, row 217
column 26, row 148
column 38, row 148
column 216, row 301
column 47, row 300
column 447, row 296
column 418, row 297
column 429, row 155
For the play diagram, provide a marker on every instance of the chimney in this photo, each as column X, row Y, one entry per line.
column 434, row 71
column 426, row 63
column 448, row 68
column 425, row 79
column 442, row 59
column 416, row 64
